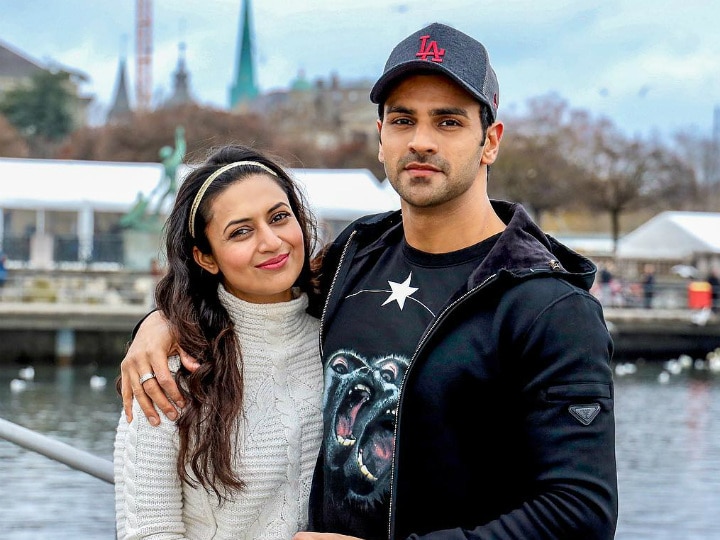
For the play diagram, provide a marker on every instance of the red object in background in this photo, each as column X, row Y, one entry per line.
column 699, row 295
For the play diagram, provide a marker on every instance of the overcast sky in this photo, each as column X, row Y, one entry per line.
column 649, row 65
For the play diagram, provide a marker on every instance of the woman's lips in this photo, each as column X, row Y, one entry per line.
column 275, row 262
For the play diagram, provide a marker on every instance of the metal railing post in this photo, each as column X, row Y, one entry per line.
column 59, row 451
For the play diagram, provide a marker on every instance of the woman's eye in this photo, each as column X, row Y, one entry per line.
column 238, row 233
column 280, row 216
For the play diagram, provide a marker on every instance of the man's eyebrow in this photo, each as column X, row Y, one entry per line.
column 442, row 111
column 449, row 111
column 399, row 109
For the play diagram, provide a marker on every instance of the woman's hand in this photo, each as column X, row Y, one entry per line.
column 148, row 354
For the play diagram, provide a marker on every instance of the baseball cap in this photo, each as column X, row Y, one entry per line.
column 441, row 49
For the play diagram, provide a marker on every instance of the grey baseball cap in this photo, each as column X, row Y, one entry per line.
column 441, row 49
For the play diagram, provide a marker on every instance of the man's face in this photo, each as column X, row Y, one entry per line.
column 432, row 141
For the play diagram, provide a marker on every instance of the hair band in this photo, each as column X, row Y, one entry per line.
column 210, row 179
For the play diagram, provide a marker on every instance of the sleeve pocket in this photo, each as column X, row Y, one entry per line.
column 579, row 390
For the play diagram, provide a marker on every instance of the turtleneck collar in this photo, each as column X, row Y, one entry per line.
column 277, row 320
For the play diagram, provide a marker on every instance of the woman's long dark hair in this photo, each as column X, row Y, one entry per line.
column 188, row 297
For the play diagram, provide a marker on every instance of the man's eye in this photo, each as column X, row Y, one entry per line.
column 450, row 122
column 401, row 121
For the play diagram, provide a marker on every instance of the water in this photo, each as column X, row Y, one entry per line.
column 668, row 448
column 41, row 498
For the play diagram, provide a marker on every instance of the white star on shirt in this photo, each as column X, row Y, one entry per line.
column 400, row 292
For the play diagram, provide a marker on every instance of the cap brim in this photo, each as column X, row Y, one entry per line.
column 417, row 67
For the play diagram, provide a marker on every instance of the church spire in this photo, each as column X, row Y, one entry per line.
column 244, row 89
column 120, row 109
column 181, row 87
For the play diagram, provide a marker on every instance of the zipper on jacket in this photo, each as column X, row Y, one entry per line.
column 330, row 290
column 431, row 330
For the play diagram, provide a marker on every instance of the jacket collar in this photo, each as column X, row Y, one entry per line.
column 522, row 249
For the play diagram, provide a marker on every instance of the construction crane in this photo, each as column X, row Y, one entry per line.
column 143, row 46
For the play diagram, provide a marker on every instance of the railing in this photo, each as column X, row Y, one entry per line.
column 665, row 295
column 59, row 451
column 79, row 287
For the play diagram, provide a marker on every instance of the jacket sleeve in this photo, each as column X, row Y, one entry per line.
column 148, row 490
column 566, row 407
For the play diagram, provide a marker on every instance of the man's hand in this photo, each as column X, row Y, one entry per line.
column 322, row 536
column 148, row 353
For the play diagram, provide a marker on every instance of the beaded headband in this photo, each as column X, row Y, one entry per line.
column 210, row 179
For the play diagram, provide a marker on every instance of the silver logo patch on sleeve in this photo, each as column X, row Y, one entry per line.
column 585, row 413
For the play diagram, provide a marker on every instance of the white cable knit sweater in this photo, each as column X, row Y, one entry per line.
column 280, row 437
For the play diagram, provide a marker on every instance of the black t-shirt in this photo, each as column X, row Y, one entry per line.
column 366, row 352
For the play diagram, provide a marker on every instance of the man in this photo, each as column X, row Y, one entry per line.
column 468, row 392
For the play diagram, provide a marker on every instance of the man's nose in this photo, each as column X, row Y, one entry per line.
column 423, row 140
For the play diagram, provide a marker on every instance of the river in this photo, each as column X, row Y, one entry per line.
column 668, row 448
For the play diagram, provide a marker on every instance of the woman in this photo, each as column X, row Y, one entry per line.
column 238, row 461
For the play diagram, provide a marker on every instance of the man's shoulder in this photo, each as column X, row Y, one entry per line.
column 371, row 222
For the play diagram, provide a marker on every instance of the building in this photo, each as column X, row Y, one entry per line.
column 323, row 112
column 18, row 69
column 181, row 83
column 670, row 239
column 67, row 214
column 120, row 110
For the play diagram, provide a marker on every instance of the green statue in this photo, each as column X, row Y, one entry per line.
column 171, row 158
column 136, row 215
column 137, row 218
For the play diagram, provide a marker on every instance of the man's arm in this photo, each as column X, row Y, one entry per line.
column 148, row 353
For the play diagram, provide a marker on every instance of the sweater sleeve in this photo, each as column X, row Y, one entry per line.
column 148, row 490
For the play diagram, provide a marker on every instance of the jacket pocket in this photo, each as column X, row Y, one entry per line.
column 575, row 391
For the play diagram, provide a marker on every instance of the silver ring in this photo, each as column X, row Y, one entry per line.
column 146, row 377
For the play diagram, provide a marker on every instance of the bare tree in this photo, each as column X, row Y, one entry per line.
column 533, row 165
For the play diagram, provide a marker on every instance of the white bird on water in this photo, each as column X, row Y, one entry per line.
column 97, row 382
column 18, row 385
column 27, row 373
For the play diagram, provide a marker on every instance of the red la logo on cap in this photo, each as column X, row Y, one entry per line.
column 430, row 49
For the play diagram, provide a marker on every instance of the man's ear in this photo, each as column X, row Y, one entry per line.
column 205, row 261
column 492, row 143
column 381, row 156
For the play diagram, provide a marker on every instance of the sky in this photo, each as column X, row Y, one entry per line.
column 650, row 66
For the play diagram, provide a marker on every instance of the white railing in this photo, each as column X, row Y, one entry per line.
column 59, row 451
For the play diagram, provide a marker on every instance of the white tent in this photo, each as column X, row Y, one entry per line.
column 345, row 194
column 673, row 236
column 337, row 194
column 70, row 185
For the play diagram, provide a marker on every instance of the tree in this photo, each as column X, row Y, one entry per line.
column 702, row 155
column 11, row 143
column 41, row 111
column 629, row 174
column 143, row 135
column 532, row 166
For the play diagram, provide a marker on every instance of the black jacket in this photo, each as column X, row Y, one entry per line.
column 516, row 439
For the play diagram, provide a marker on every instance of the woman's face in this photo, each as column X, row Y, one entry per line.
column 256, row 241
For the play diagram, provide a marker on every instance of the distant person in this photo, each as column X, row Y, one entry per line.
column 648, row 285
column 714, row 282
column 3, row 269
column 606, row 280
column 238, row 462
